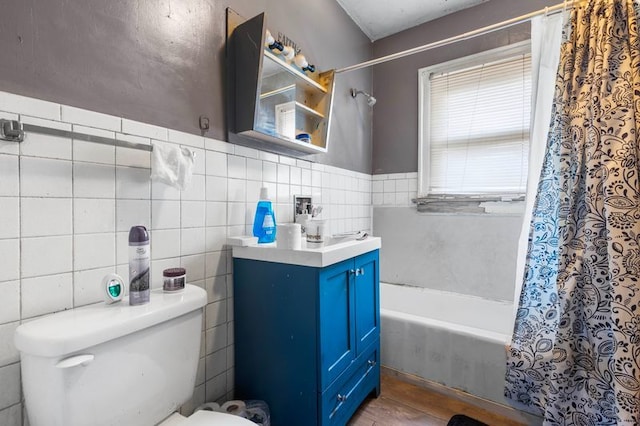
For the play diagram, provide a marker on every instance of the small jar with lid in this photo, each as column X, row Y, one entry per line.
column 174, row 279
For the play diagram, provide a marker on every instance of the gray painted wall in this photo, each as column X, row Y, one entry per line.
column 395, row 83
column 162, row 62
column 467, row 254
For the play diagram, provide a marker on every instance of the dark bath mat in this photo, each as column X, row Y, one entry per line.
column 462, row 420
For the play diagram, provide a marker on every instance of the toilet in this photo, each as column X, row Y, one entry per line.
column 116, row 364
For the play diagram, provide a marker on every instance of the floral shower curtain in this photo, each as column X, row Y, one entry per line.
column 575, row 353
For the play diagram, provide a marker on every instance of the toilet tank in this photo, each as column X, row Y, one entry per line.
column 112, row 364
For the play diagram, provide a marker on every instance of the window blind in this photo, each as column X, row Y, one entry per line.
column 479, row 128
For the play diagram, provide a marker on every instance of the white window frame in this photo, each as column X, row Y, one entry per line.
column 424, row 92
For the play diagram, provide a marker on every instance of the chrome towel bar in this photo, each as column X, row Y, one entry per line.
column 13, row 131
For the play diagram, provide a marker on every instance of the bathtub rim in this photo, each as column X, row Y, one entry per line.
column 503, row 337
column 474, row 332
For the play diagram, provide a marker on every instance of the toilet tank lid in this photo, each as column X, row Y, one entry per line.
column 76, row 329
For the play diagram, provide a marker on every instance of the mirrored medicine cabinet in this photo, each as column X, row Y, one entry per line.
column 273, row 102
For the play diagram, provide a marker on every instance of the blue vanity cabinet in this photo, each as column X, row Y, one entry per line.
column 307, row 338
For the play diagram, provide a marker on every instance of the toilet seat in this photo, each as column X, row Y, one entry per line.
column 213, row 418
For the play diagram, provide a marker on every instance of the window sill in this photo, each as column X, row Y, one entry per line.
column 466, row 206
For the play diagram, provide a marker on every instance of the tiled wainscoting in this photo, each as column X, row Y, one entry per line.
column 66, row 207
column 394, row 190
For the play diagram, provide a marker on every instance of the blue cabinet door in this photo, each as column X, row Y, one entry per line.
column 306, row 338
column 367, row 300
column 275, row 323
column 337, row 339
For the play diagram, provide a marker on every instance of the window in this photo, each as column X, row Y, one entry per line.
column 474, row 125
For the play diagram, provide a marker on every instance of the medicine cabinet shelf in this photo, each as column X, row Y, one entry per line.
column 306, row 110
column 301, row 108
column 273, row 101
column 298, row 74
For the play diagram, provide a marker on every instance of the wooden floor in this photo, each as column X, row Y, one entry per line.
column 402, row 403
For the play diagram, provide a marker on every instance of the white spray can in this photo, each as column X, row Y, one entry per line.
column 139, row 255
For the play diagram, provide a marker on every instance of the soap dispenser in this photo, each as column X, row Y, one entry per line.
column 264, row 223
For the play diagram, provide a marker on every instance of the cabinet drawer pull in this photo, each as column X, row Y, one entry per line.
column 372, row 362
column 342, row 398
column 353, row 272
column 361, row 271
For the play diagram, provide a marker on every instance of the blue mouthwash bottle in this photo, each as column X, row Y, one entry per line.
column 264, row 224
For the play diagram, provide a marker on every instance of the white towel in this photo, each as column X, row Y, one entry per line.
column 171, row 164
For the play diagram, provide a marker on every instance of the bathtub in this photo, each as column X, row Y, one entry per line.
column 448, row 338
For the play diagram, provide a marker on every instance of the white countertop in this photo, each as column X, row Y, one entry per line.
column 316, row 257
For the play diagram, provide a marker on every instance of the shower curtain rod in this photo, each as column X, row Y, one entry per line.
column 464, row 36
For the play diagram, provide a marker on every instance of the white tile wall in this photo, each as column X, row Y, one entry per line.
column 185, row 138
column 67, row 206
column 216, row 163
column 93, row 251
column 216, row 286
column 192, row 241
column 43, row 177
column 394, row 190
column 10, row 217
column 197, row 189
column 94, row 215
column 84, row 289
column 216, row 213
column 9, row 181
column 10, row 302
column 132, row 211
column 236, row 167
column 93, row 180
column 9, row 147
column 254, row 169
column 10, row 255
column 237, row 189
column 46, row 294
column 269, row 171
column 195, row 266
column 132, row 157
column 46, row 216
column 193, row 214
column 132, row 183
column 8, row 353
column 10, row 389
column 95, row 153
column 142, row 129
column 215, row 238
column 45, row 145
column 23, row 105
column 89, row 118
column 165, row 214
column 216, row 188
column 11, row 416
column 46, row 255
column 160, row 191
